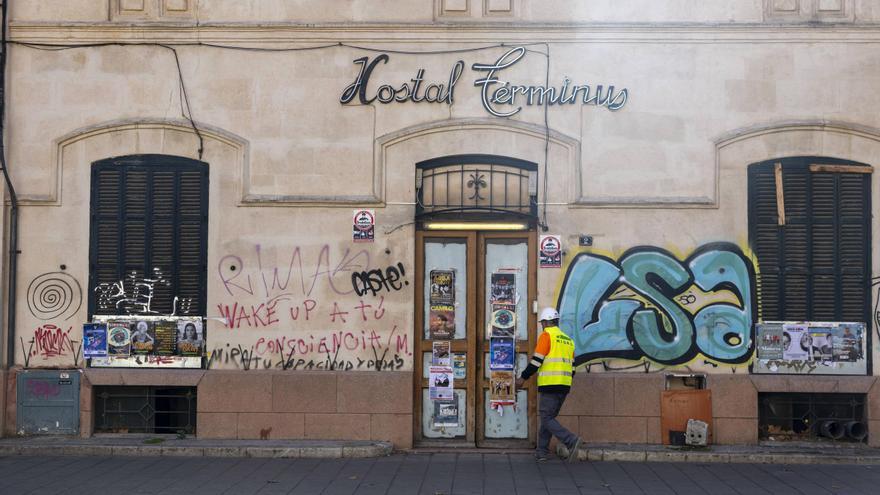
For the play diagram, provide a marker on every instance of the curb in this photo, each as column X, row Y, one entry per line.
column 358, row 450
column 619, row 455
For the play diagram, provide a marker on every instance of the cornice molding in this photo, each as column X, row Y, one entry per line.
column 274, row 33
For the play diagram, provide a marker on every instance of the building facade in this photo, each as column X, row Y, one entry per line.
column 320, row 219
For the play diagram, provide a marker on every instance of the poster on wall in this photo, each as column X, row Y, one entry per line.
column 769, row 337
column 143, row 337
column 796, row 342
column 501, row 353
column 94, row 340
column 502, row 387
column 441, row 321
column 550, row 251
column 815, row 348
column 503, row 288
column 446, row 413
column 363, row 226
column 166, row 338
column 442, row 287
column 440, row 353
column 190, row 341
column 118, row 338
column 440, row 383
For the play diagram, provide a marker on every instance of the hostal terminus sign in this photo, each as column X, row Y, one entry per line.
column 494, row 92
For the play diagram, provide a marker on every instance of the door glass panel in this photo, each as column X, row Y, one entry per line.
column 509, row 256
column 431, row 431
column 513, row 423
column 448, row 254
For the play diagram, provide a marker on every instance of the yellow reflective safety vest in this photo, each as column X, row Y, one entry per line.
column 557, row 366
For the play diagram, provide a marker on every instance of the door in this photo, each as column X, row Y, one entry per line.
column 469, row 283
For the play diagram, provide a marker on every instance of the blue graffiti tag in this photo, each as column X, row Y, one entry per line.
column 633, row 308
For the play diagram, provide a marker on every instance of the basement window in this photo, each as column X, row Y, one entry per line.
column 784, row 416
column 124, row 409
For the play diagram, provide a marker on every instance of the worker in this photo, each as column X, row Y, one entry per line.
column 553, row 359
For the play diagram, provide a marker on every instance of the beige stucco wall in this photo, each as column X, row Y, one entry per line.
column 289, row 163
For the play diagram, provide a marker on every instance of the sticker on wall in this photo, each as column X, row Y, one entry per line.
column 440, row 383
column 143, row 337
column 364, row 226
column 440, row 353
column 442, row 287
column 550, row 251
column 501, row 354
column 118, row 338
column 94, row 340
column 446, row 413
column 459, row 366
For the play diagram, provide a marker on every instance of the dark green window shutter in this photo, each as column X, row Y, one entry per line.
column 815, row 267
column 149, row 225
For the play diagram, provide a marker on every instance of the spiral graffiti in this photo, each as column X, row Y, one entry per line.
column 54, row 294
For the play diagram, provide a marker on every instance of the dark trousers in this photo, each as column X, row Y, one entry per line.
column 549, row 405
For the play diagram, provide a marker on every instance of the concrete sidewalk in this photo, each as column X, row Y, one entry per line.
column 170, row 445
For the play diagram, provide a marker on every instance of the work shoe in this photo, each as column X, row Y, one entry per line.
column 541, row 457
column 573, row 451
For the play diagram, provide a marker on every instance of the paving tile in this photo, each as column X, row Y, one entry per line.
column 378, row 479
column 289, row 478
column 411, row 474
column 439, row 476
column 320, row 477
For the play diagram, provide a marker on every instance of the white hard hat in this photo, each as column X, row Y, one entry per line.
column 548, row 314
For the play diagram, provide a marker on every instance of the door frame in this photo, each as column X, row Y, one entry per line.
column 475, row 318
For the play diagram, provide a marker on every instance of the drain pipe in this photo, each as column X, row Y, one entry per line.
column 13, row 202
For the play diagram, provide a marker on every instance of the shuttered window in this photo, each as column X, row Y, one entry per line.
column 809, row 227
column 149, row 223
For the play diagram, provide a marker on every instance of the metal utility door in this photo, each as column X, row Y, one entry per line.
column 47, row 402
column 474, row 258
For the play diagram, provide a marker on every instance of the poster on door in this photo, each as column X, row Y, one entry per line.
column 503, row 322
column 550, row 251
column 442, row 287
column 501, row 353
column 364, row 226
column 440, row 353
column 503, row 288
column 446, row 413
column 441, row 321
column 440, row 380
column 502, row 387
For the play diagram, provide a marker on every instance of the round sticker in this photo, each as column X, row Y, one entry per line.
column 363, row 220
column 549, row 246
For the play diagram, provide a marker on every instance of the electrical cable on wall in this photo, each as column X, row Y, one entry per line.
column 186, row 109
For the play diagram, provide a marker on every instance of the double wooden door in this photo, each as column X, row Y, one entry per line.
column 481, row 269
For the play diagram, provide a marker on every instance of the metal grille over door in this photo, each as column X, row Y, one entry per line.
column 476, row 187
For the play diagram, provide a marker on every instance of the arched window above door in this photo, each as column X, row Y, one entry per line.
column 477, row 187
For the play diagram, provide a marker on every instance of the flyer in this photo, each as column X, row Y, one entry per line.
column 94, row 340
column 165, row 332
column 441, row 324
column 821, row 342
column 118, row 338
column 503, row 320
column 190, row 341
column 459, row 365
column 503, row 288
column 796, row 342
column 363, row 226
column 440, row 353
column 769, row 340
column 440, row 382
column 501, row 353
column 550, row 251
column 143, row 337
column 501, row 387
column 446, row 413
column 442, row 287
column 847, row 345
